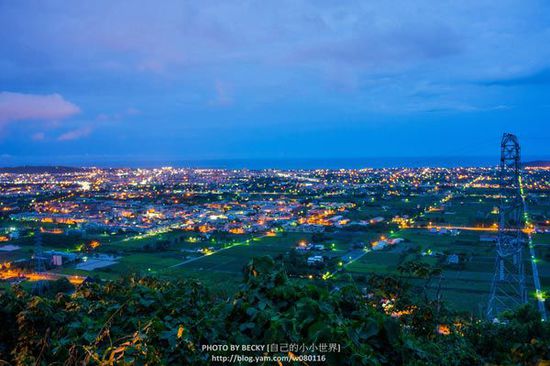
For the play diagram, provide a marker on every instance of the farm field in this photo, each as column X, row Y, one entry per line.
column 210, row 230
column 465, row 287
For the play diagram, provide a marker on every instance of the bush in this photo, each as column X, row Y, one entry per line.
column 164, row 322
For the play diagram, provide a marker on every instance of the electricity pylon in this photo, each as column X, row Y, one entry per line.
column 39, row 266
column 508, row 286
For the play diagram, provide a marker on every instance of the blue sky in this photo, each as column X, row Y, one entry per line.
column 96, row 81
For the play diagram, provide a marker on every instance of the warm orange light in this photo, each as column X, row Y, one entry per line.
column 443, row 329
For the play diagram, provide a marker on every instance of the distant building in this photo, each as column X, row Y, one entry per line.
column 378, row 245
column 57, row 260
column 315, row 259
column 488, row 238
column 64, row 257
column 9, row 248
column 453, row 259
column 376, row 220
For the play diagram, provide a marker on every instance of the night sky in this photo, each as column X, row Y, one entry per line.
column 85, row 82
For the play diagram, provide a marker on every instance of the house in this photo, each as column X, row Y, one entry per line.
column 376, row 220
column 57, row 260
column 488, row 238
column 314, row 260
column 453, row 259
column 378, row 245
column 9, row 248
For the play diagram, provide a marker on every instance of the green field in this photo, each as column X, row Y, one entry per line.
column 182, row 253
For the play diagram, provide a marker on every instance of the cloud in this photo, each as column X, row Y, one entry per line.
column 540, row 77
column 385, row 48
column 222, row 97
column 281, row 63
column 452, row 107
column 132, row 111
column 38, row 136
column 129, row 112
column 75, row 134
column 20, row 107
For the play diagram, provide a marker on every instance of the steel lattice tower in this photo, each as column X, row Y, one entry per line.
column 508, row 286
column 40, row 285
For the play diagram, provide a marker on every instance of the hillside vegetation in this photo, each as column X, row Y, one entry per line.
column 139, row 321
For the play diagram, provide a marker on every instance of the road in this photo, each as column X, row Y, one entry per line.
column 354, row 255
column 536, row 279
column 248, row 241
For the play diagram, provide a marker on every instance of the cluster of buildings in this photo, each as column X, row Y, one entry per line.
column 151, row 201
column 234, row 201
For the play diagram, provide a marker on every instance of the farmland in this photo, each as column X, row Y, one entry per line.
column 355, row 223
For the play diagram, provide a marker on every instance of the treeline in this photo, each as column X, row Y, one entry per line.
column 151, row 321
